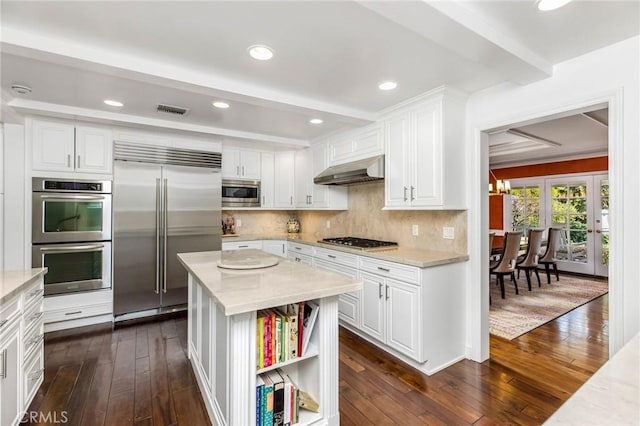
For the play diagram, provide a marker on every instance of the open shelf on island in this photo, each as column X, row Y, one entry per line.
column 311, row 352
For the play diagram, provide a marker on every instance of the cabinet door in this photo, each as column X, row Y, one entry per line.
column 275, row 247
column 250, row 165
column 10, row 373
column 373, row 305
column 94, row 152
column 206, row 331
column 241, row 245
column 403, row 317
column 230, row 163
column 53, row 146
column 320, row 194
column 284, row 179
column 194, row 314
column 302, row 173
column 397, row 162
column 426, row 178
column 266, row 180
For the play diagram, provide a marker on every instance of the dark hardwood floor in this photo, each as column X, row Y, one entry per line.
column 140, row 375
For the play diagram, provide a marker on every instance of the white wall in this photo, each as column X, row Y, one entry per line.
column 608, row 75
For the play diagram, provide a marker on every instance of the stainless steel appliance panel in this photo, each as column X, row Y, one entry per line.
column 137, row 236
column 74, row 267
column 192, row 223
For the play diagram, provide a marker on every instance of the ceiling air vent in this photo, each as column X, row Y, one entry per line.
column 170, row 109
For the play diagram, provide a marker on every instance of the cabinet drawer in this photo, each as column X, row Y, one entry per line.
column 389, row 269
column 240, row 245
column 33, row 294
column 349, row 309
column 33, row 340
column 336, row 256
column 33, row 315
column 33, row 375
column 300, row 248
column 339, row 269
column 77, row 312
column 303, row 258
column 9, row 310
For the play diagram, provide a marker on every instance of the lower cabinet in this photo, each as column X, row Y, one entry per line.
column 348, row 303
column 240, row 245
column 277, row 247
column 10, row 372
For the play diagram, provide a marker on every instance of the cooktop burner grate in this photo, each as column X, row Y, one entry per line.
column 360, row 243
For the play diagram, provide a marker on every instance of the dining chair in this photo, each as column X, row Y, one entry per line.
column 507, row 263
column 492, row 263
column 529, row 261
column 549, row 257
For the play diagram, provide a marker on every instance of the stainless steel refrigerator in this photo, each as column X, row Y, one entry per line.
column 165, row 201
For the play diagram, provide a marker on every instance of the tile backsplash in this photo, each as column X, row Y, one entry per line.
column 365, row 218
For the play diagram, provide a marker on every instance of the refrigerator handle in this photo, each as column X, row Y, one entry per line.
column 158, row 212
column 165, row 232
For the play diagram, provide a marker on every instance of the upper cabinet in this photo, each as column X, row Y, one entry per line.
column 284, row 179
column 267, row 184
column 239, row 164
column 357, row 145
column 424, row 155
column 62, row 147
column 309, row 163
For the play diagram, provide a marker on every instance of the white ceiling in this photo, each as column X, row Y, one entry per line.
column 329, row 57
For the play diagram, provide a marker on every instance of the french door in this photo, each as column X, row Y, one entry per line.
column 579, row 206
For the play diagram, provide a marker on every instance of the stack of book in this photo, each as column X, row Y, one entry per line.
column 277, row 399
column 283, row 333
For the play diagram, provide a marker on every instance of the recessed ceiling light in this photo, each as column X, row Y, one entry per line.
column 387, row 85
column 113, row 103
column 261, row 52
column 222, row 105
column 546, row 5
column 316, row 121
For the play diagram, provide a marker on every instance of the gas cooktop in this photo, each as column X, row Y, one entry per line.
column 360, row 243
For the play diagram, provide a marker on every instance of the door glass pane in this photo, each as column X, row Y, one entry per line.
column 525, row 208
column 604, row 220
column 69, row 216
column 569, row 212
column 70, row 267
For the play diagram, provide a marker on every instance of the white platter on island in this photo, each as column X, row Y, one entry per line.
column 222, row 332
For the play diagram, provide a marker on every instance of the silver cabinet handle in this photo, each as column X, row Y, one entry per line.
column 243, row 246
column 383, row 269
column 3, row 322
column 3, row 374
column 412, row 197
column 298, row 248
column 283, row 249
column 242, row 170
column 36, row 375
column 331, row 256
column 291, row 200
column 379, row 290
column 238, row 170
column 73, row 313
column 405, row 193
column 263, row 199
column 36, row 339
column 69, row 160
column 165, row 231
column 387, row 292
column 158, row 212
column 36, row 316
column 78, row 164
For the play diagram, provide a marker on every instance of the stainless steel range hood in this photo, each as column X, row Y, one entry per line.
column 367, row 170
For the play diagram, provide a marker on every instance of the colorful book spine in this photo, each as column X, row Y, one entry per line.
column 260, row 341
column 267, row 341
column 278, row 397
column 268, row 398
column 259, row 395
column 292, row 321
column 300, row 327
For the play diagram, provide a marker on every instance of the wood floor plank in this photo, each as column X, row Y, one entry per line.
column 189, row 408
column 120, row 409
column 95, row 411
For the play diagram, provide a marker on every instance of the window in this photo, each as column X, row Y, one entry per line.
column 525, row 207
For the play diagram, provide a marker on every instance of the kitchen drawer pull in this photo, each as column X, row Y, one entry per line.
column 242, row 170
column 412, row 197
column 35, row 293
column 36, row 375
column 298, row 248
column 379, row 290
column 387, row 292
column 331, row 256
column 36, row 316
column 383, row 269
column 291, row 200
column 78, row 165
column 73, row 313
column 3, row 375
column 3, row 322
column 405, row 193
column 263, row 198
column 68, row 160
column 36, row 339
column 243, row 246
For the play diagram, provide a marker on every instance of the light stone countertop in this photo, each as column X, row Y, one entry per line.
column 421, row 258
column 610, row 397
column 11, row 282
column 240, row 291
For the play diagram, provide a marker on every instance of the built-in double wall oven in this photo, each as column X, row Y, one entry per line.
column 71, row 234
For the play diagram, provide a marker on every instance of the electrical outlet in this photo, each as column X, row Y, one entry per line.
column 448, row 232
column 328, row 224
column 414, row 230
column 238, row 223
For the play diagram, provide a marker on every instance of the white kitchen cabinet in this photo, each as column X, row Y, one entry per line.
column 303, row 173
column 309, row 163
column 284, row 179
column 10, row 373
column 277, row 247
column 267, row 184
column 63, row 147
column 348, row 303
column 424, row 155
column 78, row 309
column 356, row 145
column 241, row 245
column 240, row 164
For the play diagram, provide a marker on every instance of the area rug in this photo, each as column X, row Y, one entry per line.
column 518, row 314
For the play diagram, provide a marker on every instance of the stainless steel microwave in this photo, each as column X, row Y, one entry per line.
column 240, row 193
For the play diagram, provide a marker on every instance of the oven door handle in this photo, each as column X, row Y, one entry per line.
column 72, row 197
column 72, row 249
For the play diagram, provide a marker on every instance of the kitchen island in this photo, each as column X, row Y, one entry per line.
column 222, row 332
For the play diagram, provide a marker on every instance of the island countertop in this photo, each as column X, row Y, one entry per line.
column 12, row 282
column 240, row 291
